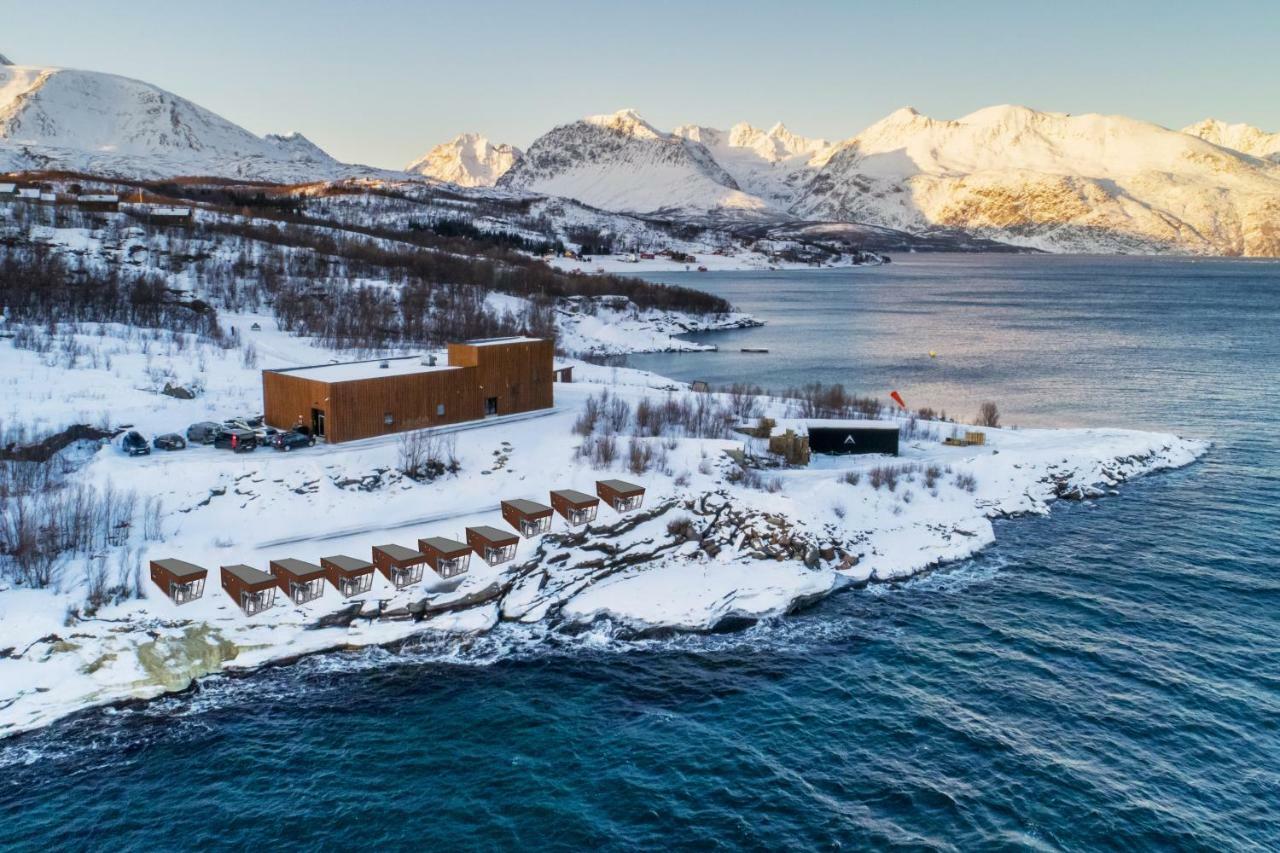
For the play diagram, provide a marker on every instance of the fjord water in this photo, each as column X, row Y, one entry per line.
column 1105, row 677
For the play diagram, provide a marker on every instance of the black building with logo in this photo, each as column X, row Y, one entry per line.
column 836, row 437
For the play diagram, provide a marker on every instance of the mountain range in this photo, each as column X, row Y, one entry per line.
column 1089, row 183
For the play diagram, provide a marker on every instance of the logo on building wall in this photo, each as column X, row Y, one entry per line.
column 848, row 439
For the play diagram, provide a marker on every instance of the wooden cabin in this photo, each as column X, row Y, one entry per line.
column 529, row 517
column 621, row 495
column 300, row 580
column 574, row 506
column 104, row 202
column 178, row 579
column 564, row 374
column 254, row 590
column 349, row 575
column 494, row 546
column 361, row 399
column 400, row 565
column 446, row 557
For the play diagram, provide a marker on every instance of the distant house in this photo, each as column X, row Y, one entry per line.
column 613, row 301
column 619, row 494
column 106, row 202
column 178, row 579
column 32, row 193
column 8, row 189
column 169, row 214
column 529, row 517
column 647, row 256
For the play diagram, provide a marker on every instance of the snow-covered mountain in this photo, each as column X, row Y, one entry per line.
column 1240, row 137
column 54, row 118
column 1074, row 183
column 621, row 162
column 468, row 160
column 772, row 164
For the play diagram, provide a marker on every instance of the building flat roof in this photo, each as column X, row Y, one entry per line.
column 525, row 507
column 493, row 534
column 573, row 496
column 249, row 574
column 622, row 487
column 850, row 424
column 399, row 552
column 446, row 546
column 349, row 371
column 489, row 342
column 298, row 568
column 349, row 564
column 180, row 568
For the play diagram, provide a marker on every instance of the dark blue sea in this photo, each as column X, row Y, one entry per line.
column 1107, row 677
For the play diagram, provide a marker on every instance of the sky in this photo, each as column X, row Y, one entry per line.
column 381, row 82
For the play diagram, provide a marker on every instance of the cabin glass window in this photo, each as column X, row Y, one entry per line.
column 440, row 410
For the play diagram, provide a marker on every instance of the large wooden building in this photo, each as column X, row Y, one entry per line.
column 361, row 399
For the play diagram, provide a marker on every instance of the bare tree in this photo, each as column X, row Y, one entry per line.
column 988, row 415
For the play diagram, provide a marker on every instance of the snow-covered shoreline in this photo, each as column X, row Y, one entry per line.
column 705, row 552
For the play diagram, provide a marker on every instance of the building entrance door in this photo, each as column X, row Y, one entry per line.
column 490, row 406
column 317, row 423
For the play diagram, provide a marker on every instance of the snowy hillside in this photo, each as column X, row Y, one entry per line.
column 54, row 118
column 1073, row 183
column 1244, row 138
column 468, row 160
column 621, row 162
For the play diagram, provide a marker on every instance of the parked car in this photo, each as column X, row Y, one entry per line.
column 266, row 434
column 203, row 432
column 134, row 443
column 239, row 440
column 169, row 441
column 289, row 440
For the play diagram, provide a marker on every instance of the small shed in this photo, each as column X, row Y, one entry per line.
column 349, row 575
column 254, row 590
column 300, row 580
column 574, row 506
column 563, row 374
column 621, row 495
column 107, row 202
column 180, row 580
column 447, row 557
column 529, row 517
column 852, row 436
column 400, row 565
column 493, row 545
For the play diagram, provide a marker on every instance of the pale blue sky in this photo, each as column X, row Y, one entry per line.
column 380, row 82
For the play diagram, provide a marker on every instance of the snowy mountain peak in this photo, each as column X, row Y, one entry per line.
column 776, row 143
column 628, row 122
column 298, row 148
column 468, row 160
column 4, row 60
column 1244, row 138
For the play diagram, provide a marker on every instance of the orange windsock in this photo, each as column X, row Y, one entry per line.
column 897, row 398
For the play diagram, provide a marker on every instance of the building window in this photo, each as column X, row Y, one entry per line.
column 440, row 410
column 388, row 419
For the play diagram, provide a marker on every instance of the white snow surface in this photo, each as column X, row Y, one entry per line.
column 221, row 508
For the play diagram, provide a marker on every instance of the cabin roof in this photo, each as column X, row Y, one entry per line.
column 494, row 534
column 249, row 574
column 300, row 568
column 446, row 546
column 830, row 423
column 349, row 564
column 180, row 568
column 622, row 487
column 525, row 507
column 489, row 342
column 574, row 496
column 399, row 552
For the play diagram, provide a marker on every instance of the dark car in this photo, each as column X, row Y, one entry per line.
column 135, row 444
column 289, row 440
column 204, row 432
column 169, row 441
column 239, row 440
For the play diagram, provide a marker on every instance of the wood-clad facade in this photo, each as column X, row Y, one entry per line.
column 353, row 401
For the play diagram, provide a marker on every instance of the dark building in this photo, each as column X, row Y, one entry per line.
column 446, row 557
column 619, row 494
column 853, row 436
column 361, row 399
column 349, row 575
column 576, row 507
column 494, row 546
column 300, row 580
column 400, row 565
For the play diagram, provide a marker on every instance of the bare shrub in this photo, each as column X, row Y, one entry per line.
column 744, row 400
column 931, row 475
column 639, row 456
column 988, row 415
column 839, row 510
column 425, row 456
column 599, row 450
column 966, row 481
column 853, row 478
column 616, row 414
column 682, row 527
